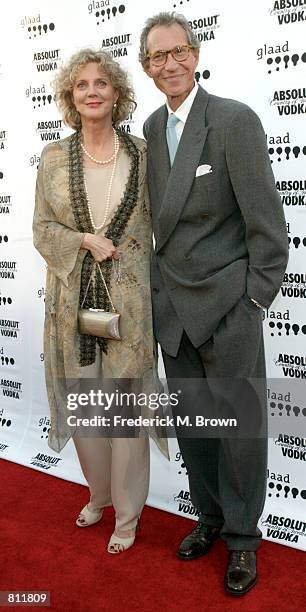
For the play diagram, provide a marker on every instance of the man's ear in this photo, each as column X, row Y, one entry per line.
column 196, row 54
column 146, row 69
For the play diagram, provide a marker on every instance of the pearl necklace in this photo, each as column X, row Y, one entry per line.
column 105, row 161
column 110, row 184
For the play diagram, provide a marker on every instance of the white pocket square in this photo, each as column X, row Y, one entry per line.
column 205, row 169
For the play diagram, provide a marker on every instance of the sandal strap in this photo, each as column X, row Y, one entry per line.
column 90, row 516
column 121, row 543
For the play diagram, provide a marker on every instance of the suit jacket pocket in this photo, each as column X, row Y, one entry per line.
column 208, row 185
column 210, row 178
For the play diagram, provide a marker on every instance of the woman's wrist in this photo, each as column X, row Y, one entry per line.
column 86, row 241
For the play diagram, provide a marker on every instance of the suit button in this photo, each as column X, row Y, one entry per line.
column 187, row 257
column 155, row 289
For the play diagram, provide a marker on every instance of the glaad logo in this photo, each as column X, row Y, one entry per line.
column 275, row 61
column 285, row 409
column 288, row 11
column 4, row 359
column 45, row 461
column 290, row 101
column 50, row 130
column 183, row 469
column 289, row 153
column 278, row 485
column 41, row 293
column 104, row 11
column 44, row 424
column 286, row 60
column 1, row 174
column 39, row 97
column 297, row 241
column 283, row 399
column 11, row 388
column 284, row 528
column 205, row 27
column 3, row 421
column 294, row 285
column 292, row 192
column 34, row 27
column 284, row 153
column 205, row 75
column 117, row 45
column 5, row 301
column 292, row 447
column 3, row 238
column 276, row 319
column 8, row 269
column 179, row 4
column 34, row 161
column 46, row 60
column 293, row 366
column 3, row 139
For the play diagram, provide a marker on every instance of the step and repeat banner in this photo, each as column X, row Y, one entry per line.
column 251, row 51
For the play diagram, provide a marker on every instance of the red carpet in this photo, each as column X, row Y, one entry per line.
column 42, row 549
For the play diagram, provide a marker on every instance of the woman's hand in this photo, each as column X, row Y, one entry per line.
column 100, row 247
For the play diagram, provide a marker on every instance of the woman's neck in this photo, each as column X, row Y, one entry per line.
column 98, row 140
column 96, row 134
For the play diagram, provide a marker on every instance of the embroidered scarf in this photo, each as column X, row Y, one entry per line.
column 97, row 296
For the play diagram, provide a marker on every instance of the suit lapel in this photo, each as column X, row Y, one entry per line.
column 159, row 156
column 175, row 186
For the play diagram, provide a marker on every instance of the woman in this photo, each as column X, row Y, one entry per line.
column 92, row 207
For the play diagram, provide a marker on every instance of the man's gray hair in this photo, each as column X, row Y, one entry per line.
column 165, row 19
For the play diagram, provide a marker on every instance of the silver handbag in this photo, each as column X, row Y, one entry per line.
column 99, row 322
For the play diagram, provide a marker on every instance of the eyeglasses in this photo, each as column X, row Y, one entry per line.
column 179, row 54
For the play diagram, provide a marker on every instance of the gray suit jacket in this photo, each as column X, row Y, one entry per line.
column 219, row 235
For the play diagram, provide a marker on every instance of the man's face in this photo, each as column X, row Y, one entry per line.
column 175, row 79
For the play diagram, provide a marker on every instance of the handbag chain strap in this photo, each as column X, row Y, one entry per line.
column 105, row 285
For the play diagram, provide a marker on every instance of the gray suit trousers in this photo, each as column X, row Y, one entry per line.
column 227, row 476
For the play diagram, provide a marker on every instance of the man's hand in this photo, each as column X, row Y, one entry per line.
column 100, row 247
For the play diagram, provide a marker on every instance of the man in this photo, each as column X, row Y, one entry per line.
column 220, row 255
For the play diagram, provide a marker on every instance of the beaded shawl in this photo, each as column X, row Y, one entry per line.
column 96, row 295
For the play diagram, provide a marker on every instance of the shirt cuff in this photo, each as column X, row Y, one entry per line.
column 257, row 304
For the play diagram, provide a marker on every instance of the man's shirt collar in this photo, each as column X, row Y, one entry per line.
column 183, row 111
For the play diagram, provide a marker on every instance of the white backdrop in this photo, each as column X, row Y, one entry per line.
column 254, row 52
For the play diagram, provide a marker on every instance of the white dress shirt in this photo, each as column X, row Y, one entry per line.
column 183, row 111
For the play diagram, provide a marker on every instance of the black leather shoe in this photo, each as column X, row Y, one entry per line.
column 241, row 573
column 198, row 542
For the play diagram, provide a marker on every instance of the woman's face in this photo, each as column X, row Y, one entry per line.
column 93, row 94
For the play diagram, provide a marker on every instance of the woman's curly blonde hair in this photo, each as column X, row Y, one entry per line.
column 66, row 77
